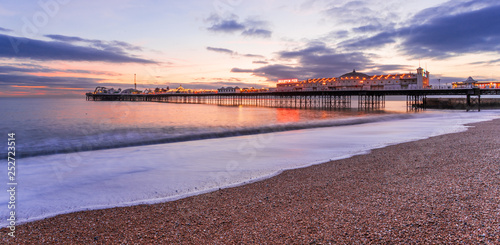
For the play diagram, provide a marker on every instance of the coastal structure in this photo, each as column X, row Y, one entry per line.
column 229, row 90
column 358, row 81
column 471, row 83
column 318, row 93
column 241, row 90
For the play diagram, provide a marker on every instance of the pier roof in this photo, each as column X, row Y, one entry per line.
column 354, row 73
column 470, row 80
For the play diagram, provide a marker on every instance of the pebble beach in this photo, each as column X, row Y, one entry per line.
column 441, row 190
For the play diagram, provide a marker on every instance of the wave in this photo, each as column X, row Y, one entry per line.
column 142, row 137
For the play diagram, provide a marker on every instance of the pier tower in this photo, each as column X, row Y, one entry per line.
column 422, row 78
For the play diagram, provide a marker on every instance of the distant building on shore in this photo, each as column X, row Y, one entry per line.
column 471, row 83
column 358, row 81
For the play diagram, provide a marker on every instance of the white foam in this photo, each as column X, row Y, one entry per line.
column 56, row 184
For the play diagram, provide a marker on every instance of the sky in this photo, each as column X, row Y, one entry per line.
column 68, row 47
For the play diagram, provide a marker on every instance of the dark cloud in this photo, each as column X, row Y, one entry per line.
column 253, row 55
column 64, row 82
column 112, row 46
column 214, row 85
column 66, row 38
column 474, row 26
column 6, row 69
column 25, row 48
column 450, row 8
column 257, row 33
column 252, row 27
column 315, row 60
column 11, row 69
column 228, row 26
column 488, row 62
column 260, row 62
column 5, row 30
column 79, row 84
column 314, row 48
column 271, row 72
column 334, row 35
column 470, row 32
column 378, row 40
column 231, row 52
column 359, row 13
column 239, row 70
column 221, row 50
column 318, row 60
column 372, row 28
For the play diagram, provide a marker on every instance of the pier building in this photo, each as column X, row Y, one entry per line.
column 471, row 83
column 358, row 81
column 229, row 90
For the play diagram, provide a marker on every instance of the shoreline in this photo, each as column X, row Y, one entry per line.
column 309, row 205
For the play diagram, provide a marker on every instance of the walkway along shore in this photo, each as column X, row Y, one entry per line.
column 445, row 189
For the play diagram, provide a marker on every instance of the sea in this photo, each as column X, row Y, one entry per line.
column 73, row 155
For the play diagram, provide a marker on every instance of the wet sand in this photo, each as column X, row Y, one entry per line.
column 445, row 189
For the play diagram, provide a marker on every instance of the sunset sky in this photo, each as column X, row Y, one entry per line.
column 68, row 47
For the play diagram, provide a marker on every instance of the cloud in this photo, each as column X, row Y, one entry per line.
column 338, row 34
column 257, row 33
column 260, row 62
column 24, row 82
column 361, row 13
column 231, row 52
column 441, row 37
column 228, row 26
column 373, row 28
column 467, row 27
column 215, row 85
column 252, row 27
column 25, row 48
column 221, row 50
column 66, row 38
column 253, row 55
column 65, row 82
column 112, row 46
column 5, row 30
column 488, row 62
column 378, row 40
column 27, row 80
column 451, row 8
column 317, row 60
column 6, row 69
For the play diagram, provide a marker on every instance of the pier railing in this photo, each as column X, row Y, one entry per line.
column 415, row 99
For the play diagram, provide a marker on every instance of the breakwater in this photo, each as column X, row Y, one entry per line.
column 460, row 103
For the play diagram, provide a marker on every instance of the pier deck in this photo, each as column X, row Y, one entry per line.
column 305, row 99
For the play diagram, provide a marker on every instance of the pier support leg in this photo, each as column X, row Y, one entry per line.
column 468, row 103
column 479, row 103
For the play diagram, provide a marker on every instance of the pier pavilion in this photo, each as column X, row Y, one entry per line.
column 358, row 81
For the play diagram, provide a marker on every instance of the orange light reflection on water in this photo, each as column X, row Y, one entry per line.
column 284, row 115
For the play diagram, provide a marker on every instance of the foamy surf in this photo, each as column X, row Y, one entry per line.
column 150, row 136
column 64, row 183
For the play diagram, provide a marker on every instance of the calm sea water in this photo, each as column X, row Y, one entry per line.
column 79, row 155
column 50, row 126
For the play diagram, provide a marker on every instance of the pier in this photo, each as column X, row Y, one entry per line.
column 336, row 99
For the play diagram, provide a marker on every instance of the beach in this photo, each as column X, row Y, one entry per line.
column 444, row 189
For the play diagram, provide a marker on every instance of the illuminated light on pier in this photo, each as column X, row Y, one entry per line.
column 352, row 81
